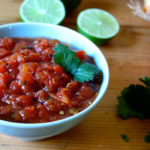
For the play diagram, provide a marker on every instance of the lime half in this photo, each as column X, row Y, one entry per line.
column 46, row 11
column 97, row 25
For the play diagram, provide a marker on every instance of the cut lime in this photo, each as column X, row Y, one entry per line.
column 97, row 25
column 46, row 11
column 71, row 4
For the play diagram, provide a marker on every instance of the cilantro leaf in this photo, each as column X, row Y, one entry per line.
column 125, row 111
column 147, row 138
column 80, row 71
column 134, row 101
column 124, row 137
column 146, row 81
column 64, row 57
column 85, row 72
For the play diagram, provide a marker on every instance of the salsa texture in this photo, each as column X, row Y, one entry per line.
column 33, row 89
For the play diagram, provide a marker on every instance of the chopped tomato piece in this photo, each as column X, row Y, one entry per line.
column 4, row 52
column 3, row 67
column 85, row 92
column 29, row 113
column 64, row 95
column 20, row 45
column 73, row 86
column 15, row 87
column 81, row 55
column 40, row 45
column 25, row 100
column 7, row 43
column 5, row 110
column 58, row 69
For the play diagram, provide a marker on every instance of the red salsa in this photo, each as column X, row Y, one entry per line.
column 33, row 89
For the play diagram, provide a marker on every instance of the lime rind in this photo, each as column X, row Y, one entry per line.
column 40, row 11
column 97, row 25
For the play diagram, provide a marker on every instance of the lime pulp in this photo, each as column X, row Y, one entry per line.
column 46, row 11
column 97, row 25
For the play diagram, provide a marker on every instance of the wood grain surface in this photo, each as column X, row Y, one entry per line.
column 128, row 56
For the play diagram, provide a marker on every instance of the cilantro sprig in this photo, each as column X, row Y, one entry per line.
column 134, row 100
column 124, row 137
column 79, row 70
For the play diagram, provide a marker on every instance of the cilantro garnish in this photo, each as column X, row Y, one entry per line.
column 147, row 138
column 135, row 101
column 124, row 137
column 79, row 70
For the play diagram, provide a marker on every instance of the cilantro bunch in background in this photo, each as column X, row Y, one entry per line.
column 134, row 100
column 79, row 70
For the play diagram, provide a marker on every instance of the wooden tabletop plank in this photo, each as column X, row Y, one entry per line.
column 128, row 56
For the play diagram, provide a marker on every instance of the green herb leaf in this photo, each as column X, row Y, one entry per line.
column 79, row 70
column 147, row 138
column 135, row 101
column 124, row 137
column 125, row 111
column 85, row 72
column 146, row 81
column 64, row 57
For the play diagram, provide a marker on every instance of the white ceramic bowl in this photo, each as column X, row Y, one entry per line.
column 38, row 131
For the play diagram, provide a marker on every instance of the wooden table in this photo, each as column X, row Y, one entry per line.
column 128, row 56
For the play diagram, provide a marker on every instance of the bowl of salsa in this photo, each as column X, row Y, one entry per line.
column 51, row 77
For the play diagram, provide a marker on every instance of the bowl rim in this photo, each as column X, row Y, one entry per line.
column 83, row 112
